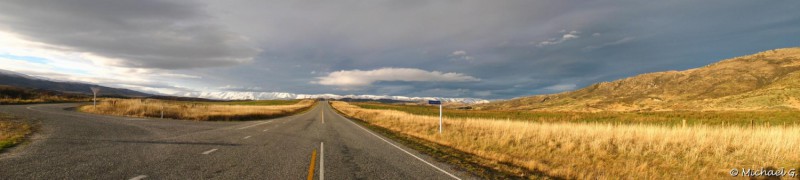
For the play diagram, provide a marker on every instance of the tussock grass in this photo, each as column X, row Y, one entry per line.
column 671, row 118
column 50, row 99
column 601, row 150
column 16, row 95
column 12, row 132
column 254, row 103
column 195, row 110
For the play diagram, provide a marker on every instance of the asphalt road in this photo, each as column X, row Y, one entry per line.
column 74, row 145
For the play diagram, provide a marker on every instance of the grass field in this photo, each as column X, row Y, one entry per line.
column 12, row 131
column 53, row 99
column 738, row 118
column 204, row 111
column 254, row 103
column 573, row 150
column 16, row 95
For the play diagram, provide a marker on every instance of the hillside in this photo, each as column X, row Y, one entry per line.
column 768, row 80
column 16, row 95
column 24, row 81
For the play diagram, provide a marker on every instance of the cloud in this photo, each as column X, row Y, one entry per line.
column 482, row 93
column 59, row 65
column 357, row 78
column 114, row 39
column 565, row 37
column 613, row 43
column 176, row 75
column 239, row 88
column 560, row 87
column 142, row 34
column 461, row 54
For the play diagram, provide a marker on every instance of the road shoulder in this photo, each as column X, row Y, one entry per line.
column 459, row 159
column 14, row 131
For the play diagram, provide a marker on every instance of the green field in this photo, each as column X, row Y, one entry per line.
column 740, row 118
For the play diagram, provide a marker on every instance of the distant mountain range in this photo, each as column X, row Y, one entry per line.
column 283, row 95
column 15, row 79
column 768, row 80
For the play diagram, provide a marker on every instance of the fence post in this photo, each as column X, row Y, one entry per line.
column 440, row 118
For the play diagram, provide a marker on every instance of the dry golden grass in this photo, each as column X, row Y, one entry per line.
column 192, row 110
column 602, row 151
column 51, row 99
column 12, row 131
column 17, row 95
column 673, row 118
column 765, row 81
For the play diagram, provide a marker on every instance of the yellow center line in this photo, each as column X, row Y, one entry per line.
column 311, row 166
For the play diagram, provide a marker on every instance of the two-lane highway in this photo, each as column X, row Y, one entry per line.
column 317, row 144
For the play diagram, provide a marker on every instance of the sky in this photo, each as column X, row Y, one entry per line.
column 437, row 48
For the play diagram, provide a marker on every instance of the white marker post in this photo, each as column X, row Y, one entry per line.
column 440, row 113
column 95, row 90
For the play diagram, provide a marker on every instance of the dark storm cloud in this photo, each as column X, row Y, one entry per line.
column 141, row 33
column 238, row 88
column 515, row 48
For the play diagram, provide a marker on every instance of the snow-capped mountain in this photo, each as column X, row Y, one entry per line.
column 236, row 95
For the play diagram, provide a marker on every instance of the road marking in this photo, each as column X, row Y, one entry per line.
column 311, row 166
column 323, row 117
column 265, row 130
column 140, row 177
column 254, row 125
column 246, row 137
column 409, row 153
column 209, row 151
column 321, row 161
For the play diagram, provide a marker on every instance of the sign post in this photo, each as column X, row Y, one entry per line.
column 440, row 113
column 95, row 90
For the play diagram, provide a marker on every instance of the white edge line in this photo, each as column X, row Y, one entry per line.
column 321, row 161
column 140, row 177
column 409, row 153
column 254, row 125
column 209, row 151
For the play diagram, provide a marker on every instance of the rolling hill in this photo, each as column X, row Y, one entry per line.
column 768, row 80
column 15, row 79
column 17, row 95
